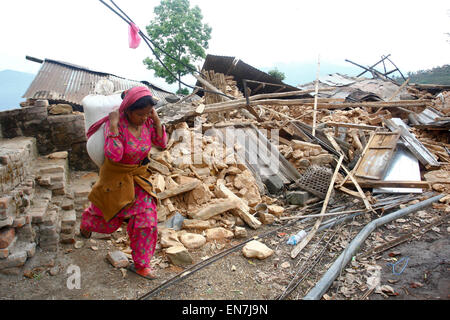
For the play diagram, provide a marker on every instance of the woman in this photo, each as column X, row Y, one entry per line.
column 123, row 190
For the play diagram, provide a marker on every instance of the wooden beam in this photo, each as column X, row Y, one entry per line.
column 209, row 86
column 352, row 125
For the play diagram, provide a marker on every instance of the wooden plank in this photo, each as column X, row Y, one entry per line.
column 350, row 192
column 372, row 135
column 314, row 229
column 377, row 156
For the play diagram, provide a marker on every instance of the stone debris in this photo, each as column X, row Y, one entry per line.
column 192, row 240
column 179, row 255
column 257, row 249
column 218, row 233
column 118, row 259
column 240, row 232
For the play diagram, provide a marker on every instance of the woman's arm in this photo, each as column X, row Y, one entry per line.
column 113, row 138
column 159, row 135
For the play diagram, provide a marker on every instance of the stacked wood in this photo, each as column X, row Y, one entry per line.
column 225, row 84
column 218, row 81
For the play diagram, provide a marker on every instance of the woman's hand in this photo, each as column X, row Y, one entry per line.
column 114, row 121
column 154, row 116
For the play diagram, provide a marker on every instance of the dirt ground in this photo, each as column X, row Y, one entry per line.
column 425, row 276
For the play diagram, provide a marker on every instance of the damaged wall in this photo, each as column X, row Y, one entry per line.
column 65, row 132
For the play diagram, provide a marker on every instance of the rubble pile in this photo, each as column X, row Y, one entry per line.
column 202, row 200
column 206, row 195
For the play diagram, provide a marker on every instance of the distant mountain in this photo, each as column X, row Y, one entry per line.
column 13, row 85
column 436, row 75
column 302, row 72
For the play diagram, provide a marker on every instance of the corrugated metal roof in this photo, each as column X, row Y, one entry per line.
column 336, row 80
column 241, row 70
column 66, row 82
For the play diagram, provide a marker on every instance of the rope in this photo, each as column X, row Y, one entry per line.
column 396, row 263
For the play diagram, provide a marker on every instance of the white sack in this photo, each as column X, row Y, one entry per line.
column 97, row 107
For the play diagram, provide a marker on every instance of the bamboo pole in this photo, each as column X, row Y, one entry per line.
column 315, row 98
column 313, row 231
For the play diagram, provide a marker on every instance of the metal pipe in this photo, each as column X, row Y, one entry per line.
column 325, row 282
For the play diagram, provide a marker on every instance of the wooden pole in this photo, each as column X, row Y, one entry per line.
column 398, row 90
column 313, row 231
column 315, row 98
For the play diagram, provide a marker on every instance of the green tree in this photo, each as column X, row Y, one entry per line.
column 179, row 31
column 277, row 74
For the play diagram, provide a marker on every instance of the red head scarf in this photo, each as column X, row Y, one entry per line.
column 132, row 95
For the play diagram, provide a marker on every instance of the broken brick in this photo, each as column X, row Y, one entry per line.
column 6, row 237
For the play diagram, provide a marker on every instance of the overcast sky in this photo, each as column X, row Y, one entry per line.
column 260, row 32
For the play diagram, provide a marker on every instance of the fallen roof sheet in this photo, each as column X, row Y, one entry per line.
column 336, row 80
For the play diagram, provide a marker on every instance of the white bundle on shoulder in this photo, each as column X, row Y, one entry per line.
column 97, row 106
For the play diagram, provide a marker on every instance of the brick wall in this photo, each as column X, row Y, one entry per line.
column 52, row 133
